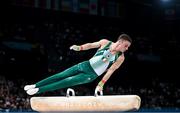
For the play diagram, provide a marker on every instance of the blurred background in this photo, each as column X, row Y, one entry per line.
column 35, row 36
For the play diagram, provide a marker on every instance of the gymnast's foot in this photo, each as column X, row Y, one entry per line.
column 28, row 87
column 32, row 91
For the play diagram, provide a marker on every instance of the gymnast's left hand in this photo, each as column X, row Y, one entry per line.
column 99, row 88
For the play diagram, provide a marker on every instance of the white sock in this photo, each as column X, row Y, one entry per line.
column 28, row 87
column 32, row 91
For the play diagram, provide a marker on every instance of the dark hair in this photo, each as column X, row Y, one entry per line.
column 125, row 37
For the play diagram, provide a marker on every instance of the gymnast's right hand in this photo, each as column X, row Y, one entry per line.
column 75, row 48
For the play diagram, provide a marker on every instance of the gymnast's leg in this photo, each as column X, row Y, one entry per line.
column 78, row 79
column 67, row 73
column 54, row 78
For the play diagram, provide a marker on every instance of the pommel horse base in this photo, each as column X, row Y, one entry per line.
column 86, row 103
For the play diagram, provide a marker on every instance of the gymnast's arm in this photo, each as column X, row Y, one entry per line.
column 110, row 71
column 88, row 46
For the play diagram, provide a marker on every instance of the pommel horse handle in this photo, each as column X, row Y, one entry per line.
column 96, row 92
column 68, row 92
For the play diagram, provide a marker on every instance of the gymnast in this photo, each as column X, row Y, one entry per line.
column 107, row 59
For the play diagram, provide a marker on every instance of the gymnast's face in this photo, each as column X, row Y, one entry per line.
column 122, row 45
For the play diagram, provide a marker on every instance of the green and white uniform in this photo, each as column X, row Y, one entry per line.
column 81, row 73
column 103, row 59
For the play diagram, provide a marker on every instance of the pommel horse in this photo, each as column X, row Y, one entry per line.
column 86, row 103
